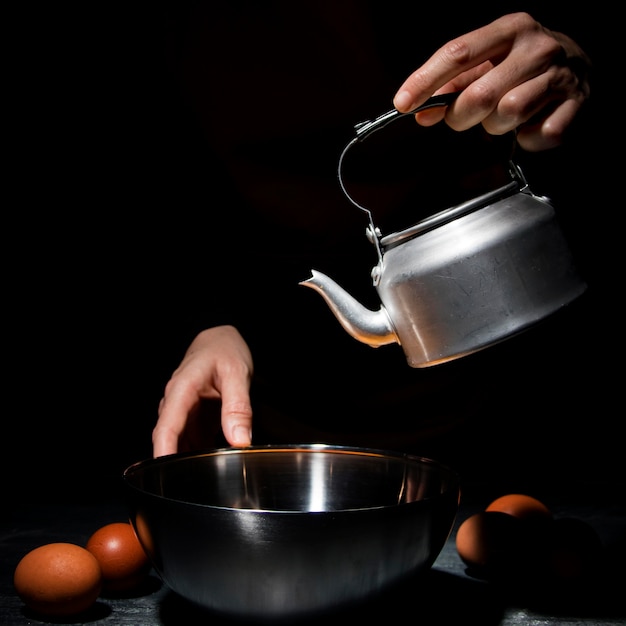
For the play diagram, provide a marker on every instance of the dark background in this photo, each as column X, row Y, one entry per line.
column 99, row 302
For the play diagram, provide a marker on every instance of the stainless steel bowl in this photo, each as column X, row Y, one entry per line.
column 290, row 531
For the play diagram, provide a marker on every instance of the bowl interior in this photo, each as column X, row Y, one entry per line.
column 302, row 478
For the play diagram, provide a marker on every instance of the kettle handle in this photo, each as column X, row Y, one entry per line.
column 365, row 129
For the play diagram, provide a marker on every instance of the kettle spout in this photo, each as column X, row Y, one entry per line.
column 373, row 328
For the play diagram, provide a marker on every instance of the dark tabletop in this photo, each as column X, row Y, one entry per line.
column 447, row 594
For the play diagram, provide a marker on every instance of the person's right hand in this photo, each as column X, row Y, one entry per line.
column 217, row 367
column 513, row 74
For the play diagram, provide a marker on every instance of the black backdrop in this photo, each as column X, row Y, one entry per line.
column 93, row 262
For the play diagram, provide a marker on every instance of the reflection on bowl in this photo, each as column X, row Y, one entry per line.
column 289, row 531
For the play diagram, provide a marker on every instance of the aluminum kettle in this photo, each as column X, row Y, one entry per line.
column 462, row 279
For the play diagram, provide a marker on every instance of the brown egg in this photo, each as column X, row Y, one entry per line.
column 58, row 579
column 522, row 506
column 574, row 549
column 490, row 541
column 122, row 559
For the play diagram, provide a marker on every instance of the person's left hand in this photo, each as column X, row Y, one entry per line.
column 210, row 386
column 512, row 74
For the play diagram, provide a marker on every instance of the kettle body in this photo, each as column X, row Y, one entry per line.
column 477, row 279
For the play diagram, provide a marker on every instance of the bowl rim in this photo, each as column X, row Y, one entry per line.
column 453, row 477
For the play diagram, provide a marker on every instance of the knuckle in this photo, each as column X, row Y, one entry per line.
column 456, row 53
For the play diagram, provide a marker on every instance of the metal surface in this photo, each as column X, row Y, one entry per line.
column 274, row 532
column 465, row 285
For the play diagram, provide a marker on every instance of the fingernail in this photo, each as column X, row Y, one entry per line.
column 402, row 101
column 241, row 435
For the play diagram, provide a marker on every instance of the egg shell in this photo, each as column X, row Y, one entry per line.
column 574, row 549
column 123, row 561
column 490, row 541
column 58, row 579
column 522, row 506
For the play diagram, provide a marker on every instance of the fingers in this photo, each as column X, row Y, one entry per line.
column 513, row 74
column 163, row 442
column 456, row 64
column 174, row 409
column 236, row 415
column 176, row 412
column 511, row 92
column 215, row 372
column 549, row 131
column 233, row 383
